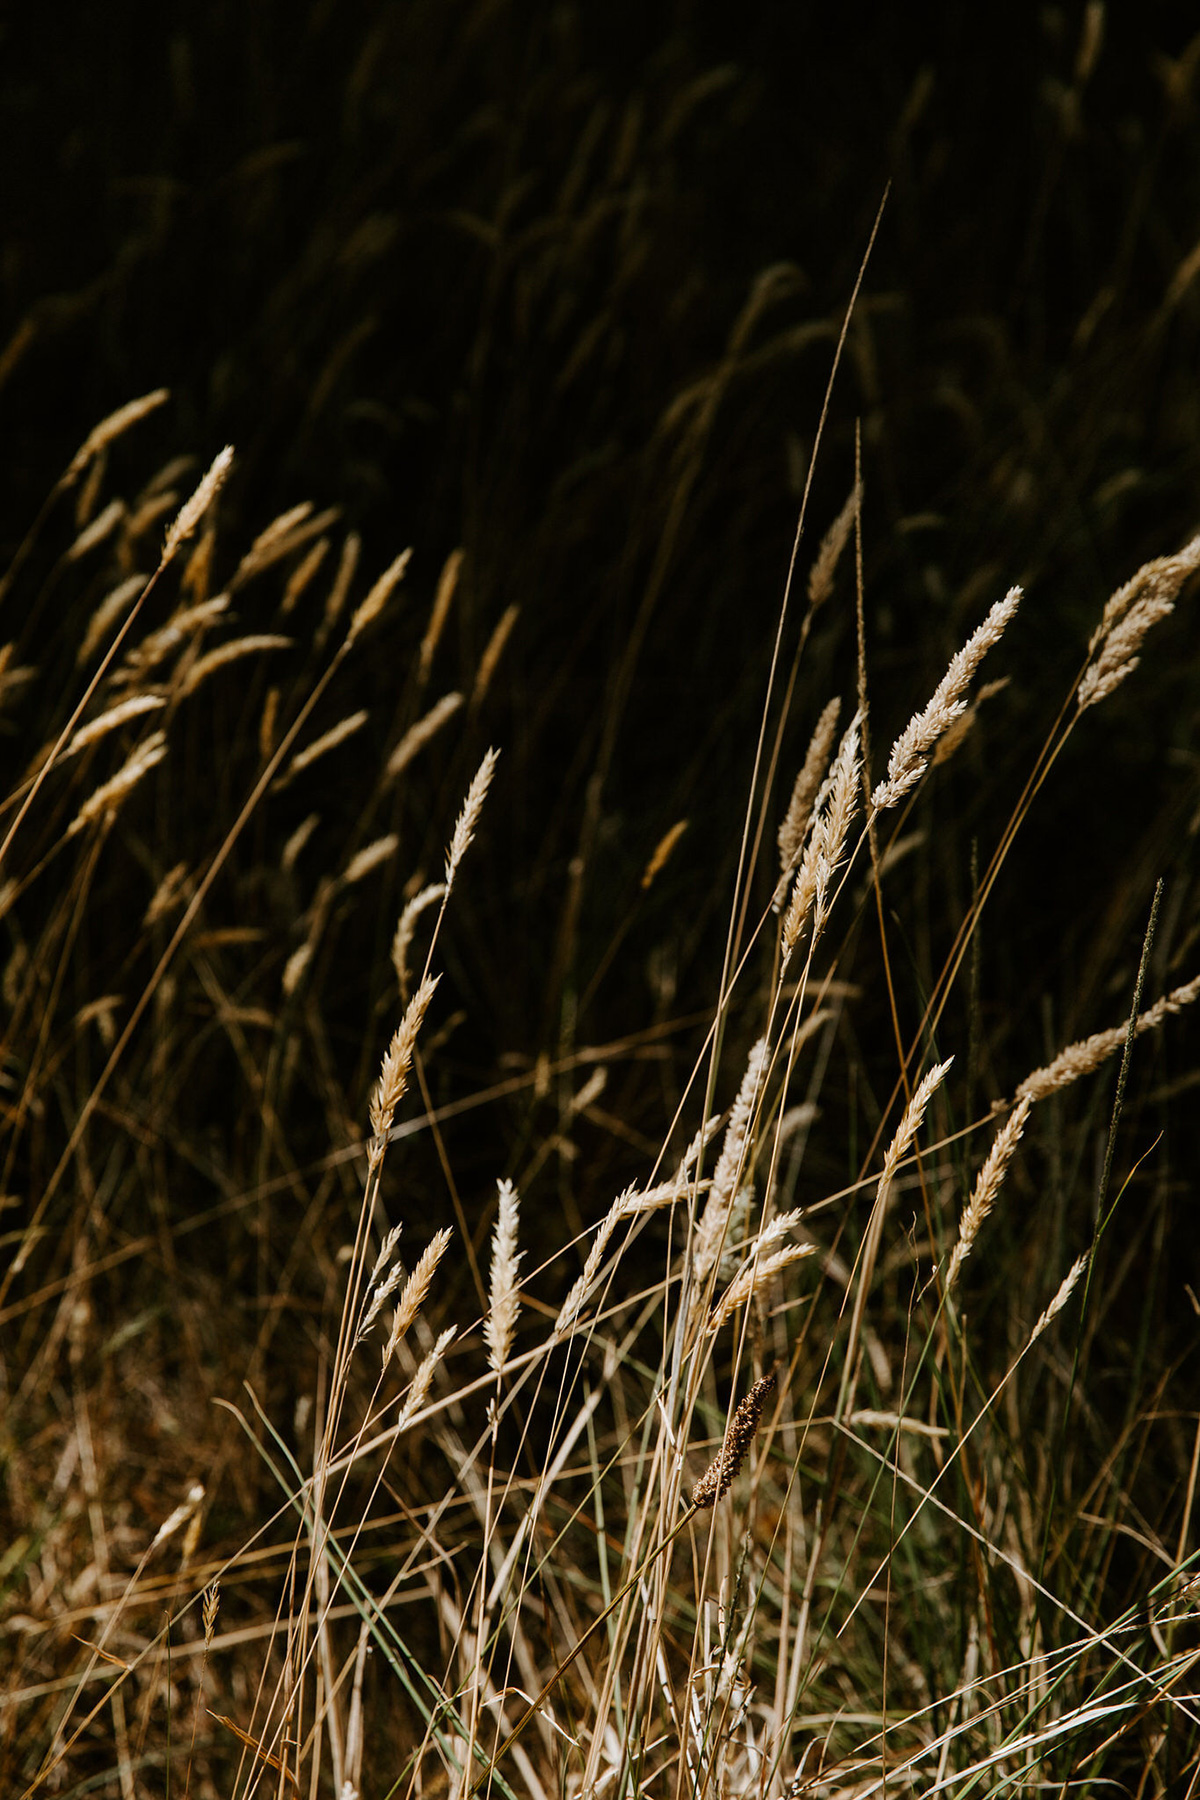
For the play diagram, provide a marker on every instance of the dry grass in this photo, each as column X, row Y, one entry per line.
column 926, row 1555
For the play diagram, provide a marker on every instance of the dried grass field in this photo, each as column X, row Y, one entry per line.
column 601, row 930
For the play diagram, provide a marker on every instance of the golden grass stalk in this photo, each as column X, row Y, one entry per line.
column 113, row 427
column 254, row 644
column 370, row 608
column 108, row 797
column 418, row 735
column 381, row 850
column 1146, row 597
column 338, row 593
column 153, row 650
column 418, row 1393
column 442, row 600
column 501, row 1321
column 329, row 740
column 416, row 1290
column 112, row 720
column 722, row 1472
column 493, row 651
column 170, row 892
column 468, row 818
column 820, row 576
column 300, row 577
column 910, row 753
column 393, row 1076
column 727, row 1177
column 193, row 510
column 795, row 823
column 910, row 1123
column 406, row 927
column 386, row 1252
column 1088, row 1053
column 987, row 1186
column 826, row 844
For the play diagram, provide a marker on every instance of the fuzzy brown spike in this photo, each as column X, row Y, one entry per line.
column 721, row 1473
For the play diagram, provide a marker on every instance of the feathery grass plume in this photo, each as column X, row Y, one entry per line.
column 393, row 1076
column 369, row 609
column 211, row 1605
column 1146, row 597
column 102, row 526
column 661, row 854
column 193, row 510
column 386, row 1252
column 910, row 1123
column 568, row 1312
column 808, row 782
column 416, row 1289
column 722, row 1472
column 370, row 857
column 422, row 1381
column 468, row 818
column 493, row 651
column 286, row 533
column 1060, row 1299
column 254, row 644
column 751, row 1279
column 1088, row 1053
column 418, row 735
column 112, row 720
column 820, row 576
column 378, row 1300
column 501, row 1322
column 987, row 1186
column 442, row 600
column 106, row 616
column 826, row 845
column 328, row 740
column 910, row 753
column 402, row 941
column 714, row 1221
column 113, row 427
column 300, row 577
column 108, row 797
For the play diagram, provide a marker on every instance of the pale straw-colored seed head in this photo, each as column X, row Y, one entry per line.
column 1130, row 613
column 328, row 740
column 193, row 510
column 406, row 927
column 501, row 1321
column 110, row 609
column 1088, row 1053
column 823, row 854
column 910, row 1122
column 112, row 720
column 1066, row 1286
column 418, row 1393
column 339, row 592
column 370, row 858
column 987, row 1185
column 808, row 782
column 113, row 427
column 107, row 798
column 418, row 735
column 754, row 1278
column 297, row 841
column 393, row 1077
column 416, row 1290
column 254, row 644
column 731, row 1165
column 722, row 1472
column 370, row 608
column 302, row 575
column 101, row 527
column 911, row 751
column 468, row 818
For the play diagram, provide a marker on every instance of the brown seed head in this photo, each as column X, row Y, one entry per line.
column 719, row 1476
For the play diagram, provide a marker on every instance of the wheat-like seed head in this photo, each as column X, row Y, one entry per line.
column 370, row 608
column 112, row 720
column 493, row 651
column 721, row 1473
column 834, row 808
column 501, row 1321
column 393, row 1076
column 987, row 1186
column 328, row 740
column 112, row 427
column 253, row 645
column 381, row 850
column 710, row 1233
column 416, row 1289
column 418, row 1393
column 402, row 941
column 101, row 527
column 795, row 824
column 1060, row 1299
column 193, row 510
column 468, row 818
column 1088, row 1053
column 910, row 753
column 820, row 578
column 108, row 797
column 447, row 584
